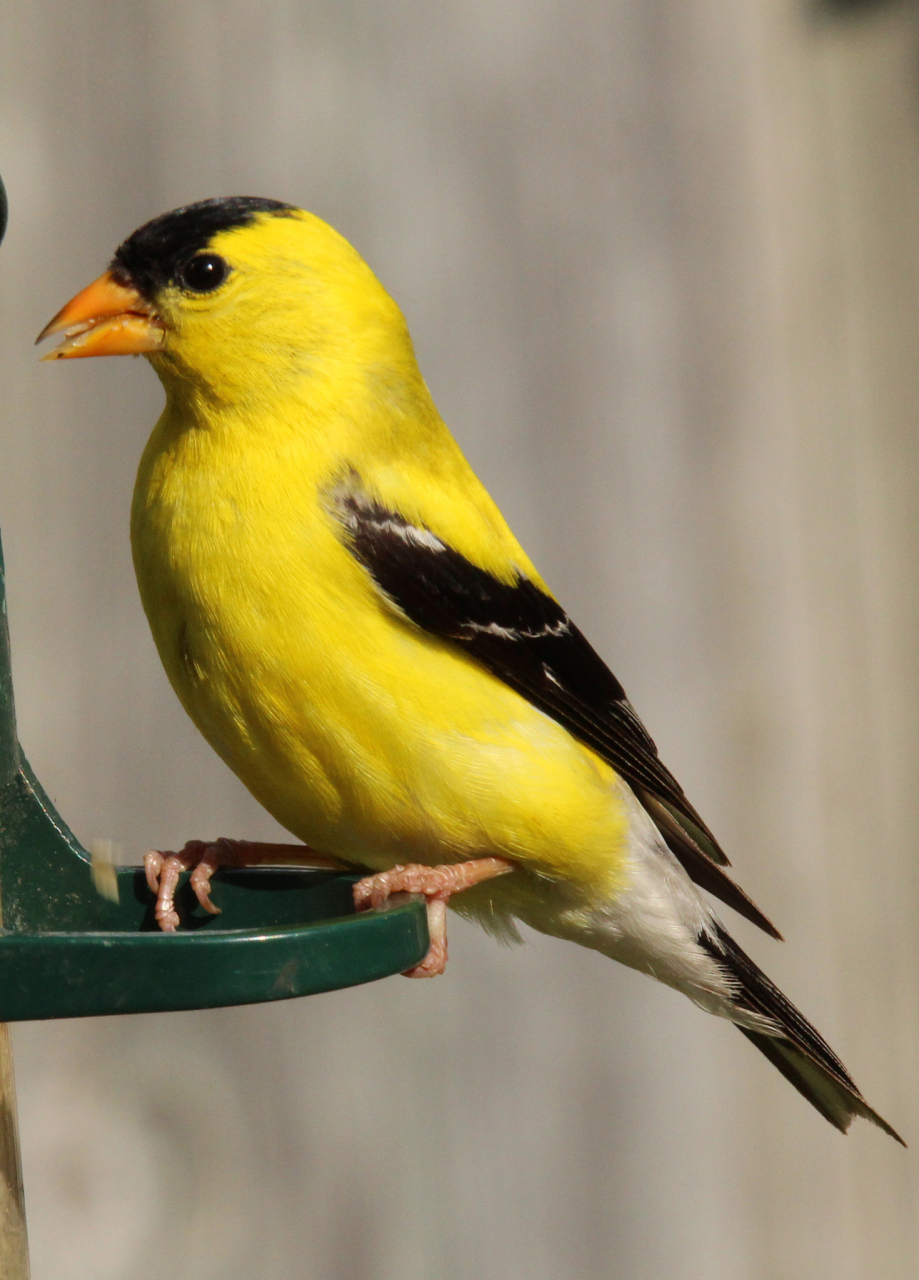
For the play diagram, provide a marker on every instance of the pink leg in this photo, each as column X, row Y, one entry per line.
column 164, row 869
column 437, row 884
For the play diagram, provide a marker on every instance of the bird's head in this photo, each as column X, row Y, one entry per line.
column 232, row 298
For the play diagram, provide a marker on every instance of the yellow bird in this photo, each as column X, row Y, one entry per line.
column 349, row 621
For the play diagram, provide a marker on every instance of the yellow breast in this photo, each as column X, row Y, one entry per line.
column 361, row 735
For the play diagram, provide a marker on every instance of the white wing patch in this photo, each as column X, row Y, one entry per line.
column 355, row 516
column 411, row 533
column 514, row 633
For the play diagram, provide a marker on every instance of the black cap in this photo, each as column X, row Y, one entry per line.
column 153, row 255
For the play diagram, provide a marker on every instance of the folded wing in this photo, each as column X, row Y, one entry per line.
column 524, row 637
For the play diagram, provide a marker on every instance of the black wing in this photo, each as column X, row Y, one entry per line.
column 526, row 639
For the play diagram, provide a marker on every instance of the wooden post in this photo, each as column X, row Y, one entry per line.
column 14, row 1245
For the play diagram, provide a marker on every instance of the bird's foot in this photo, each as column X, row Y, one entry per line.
column 437, row 884
column 163, row 870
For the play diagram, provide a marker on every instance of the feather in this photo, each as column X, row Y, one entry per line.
column 524, row 637
column 797, row 1050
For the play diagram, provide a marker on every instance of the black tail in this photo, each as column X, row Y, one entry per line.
column 797, row 1050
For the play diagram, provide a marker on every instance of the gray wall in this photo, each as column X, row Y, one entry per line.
column 661, row 263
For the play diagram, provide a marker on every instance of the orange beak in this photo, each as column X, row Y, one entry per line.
column 105, row 319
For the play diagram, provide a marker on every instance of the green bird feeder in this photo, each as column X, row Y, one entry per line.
column 68, row 951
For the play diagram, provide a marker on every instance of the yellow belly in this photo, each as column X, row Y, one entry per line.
column 361, row 735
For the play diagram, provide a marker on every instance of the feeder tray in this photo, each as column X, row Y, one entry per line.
column 66, row 951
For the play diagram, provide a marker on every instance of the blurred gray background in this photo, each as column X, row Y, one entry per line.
column 661, row 263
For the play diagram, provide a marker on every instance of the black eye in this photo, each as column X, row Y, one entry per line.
column 204, row 273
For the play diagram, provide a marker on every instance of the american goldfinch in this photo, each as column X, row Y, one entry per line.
column 349, row 621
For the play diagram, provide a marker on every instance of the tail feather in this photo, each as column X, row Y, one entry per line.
column 797, row 1049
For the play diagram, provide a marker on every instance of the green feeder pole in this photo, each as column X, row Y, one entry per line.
column 66, row 951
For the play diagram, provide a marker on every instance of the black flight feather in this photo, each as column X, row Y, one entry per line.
column 706, row 873
column 796, row 1049
column 526, row 639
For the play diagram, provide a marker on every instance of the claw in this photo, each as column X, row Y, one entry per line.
column 436, row 884
column 153, row 866
column 164, row 869
column 201, row 879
